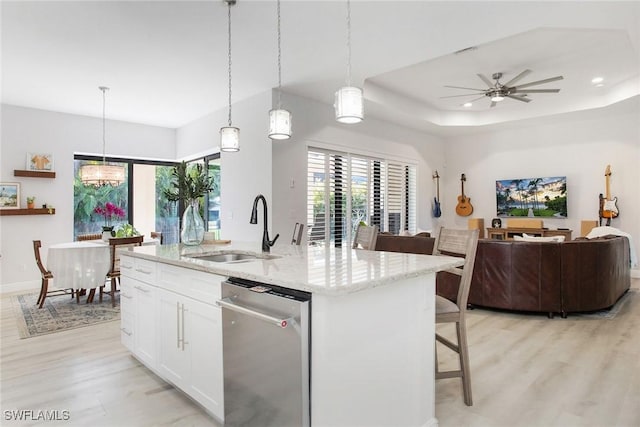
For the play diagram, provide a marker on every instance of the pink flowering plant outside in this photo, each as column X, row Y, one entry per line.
column 110, row 212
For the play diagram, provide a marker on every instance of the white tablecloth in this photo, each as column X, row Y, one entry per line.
column 79, row 265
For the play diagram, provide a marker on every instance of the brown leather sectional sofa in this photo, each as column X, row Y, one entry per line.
column 575, row 276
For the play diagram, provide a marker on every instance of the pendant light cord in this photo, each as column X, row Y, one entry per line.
column 279, row 60
column 229, row 34
column 348, row 43
column 104, row 126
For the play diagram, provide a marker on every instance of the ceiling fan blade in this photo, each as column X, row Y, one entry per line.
column 519, row 98
column 456, row 96
column 486, row 80
column 493, row 104
column 536, row 91
column 539, row 82
column 469, row 88
column 516, row 78
column 474, row 100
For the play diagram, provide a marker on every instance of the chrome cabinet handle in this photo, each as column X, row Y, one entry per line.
column 178, row 323
column 276, row 321
column 183, row 340
column 142, row 270
column 125, row 266
column 126, row 332
column 127, row 296
column 140, row 288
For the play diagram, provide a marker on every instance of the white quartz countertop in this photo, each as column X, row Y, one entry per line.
column 328, row 271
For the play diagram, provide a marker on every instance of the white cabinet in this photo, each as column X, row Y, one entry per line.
column 171, row 323
column 191, row 334
column 138, row 309
column 191, row 348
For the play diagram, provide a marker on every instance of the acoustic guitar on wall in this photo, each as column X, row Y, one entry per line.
column 609, row 205
column 437, row 212
column 463, row 208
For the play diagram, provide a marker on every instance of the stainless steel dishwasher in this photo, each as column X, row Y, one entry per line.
column 266, row 334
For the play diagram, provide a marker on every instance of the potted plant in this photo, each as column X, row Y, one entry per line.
column 31, row 201
column 188, row 185
column 109, row 211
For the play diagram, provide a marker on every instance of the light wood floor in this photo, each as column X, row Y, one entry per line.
column 526, row 371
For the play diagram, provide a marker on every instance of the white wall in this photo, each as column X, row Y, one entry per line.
column 244, row 174
column 314, row 125
column 574, row 146
column 30, row 130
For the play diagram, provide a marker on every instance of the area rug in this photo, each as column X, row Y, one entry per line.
column 613, row 311
column 59, row 313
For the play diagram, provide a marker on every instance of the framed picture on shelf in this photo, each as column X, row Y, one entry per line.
column 40, row 162
column 9, row 195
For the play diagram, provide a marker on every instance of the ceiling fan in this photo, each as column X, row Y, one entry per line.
column 498, row 91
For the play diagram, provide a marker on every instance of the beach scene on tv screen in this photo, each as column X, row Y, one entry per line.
column 532, row 197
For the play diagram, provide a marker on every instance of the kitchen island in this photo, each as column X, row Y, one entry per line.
column 372, row 324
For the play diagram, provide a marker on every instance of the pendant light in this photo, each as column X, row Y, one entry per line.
column 348, row 101
column 102, row 174
column 229, row 135
column 279, row 119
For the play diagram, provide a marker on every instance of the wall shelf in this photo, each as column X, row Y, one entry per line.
column 39, row 211
column 34, row 174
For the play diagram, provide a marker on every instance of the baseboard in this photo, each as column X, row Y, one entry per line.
column 635, row 273
column 30, row 285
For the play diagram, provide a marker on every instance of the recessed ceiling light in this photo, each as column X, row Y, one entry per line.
column 467, row 104
column 597, row 80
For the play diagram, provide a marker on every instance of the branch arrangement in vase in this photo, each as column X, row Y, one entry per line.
column 188, row 183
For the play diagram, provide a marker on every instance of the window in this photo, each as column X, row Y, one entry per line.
column 345, row 189
column 148, row 211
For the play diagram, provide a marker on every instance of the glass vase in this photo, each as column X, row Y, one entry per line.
column 192, row 232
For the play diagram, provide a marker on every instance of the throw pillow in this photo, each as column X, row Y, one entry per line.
column 528, row 238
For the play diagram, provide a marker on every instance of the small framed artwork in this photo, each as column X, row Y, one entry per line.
column 40, row 162
column 9, row 195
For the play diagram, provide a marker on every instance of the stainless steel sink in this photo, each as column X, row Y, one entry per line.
column 232, row 257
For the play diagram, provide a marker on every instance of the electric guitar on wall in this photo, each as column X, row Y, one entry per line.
column 608, row 205
column 437, row 212
column 464, row 207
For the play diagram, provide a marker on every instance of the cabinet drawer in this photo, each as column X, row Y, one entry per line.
column 138, row 268
column 201, row 286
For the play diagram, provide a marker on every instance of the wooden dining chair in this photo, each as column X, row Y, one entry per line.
column 157, row 235
column 46, row 276
column 113, row 276
column 95, row 236
column 366, row 236
column 460, row 243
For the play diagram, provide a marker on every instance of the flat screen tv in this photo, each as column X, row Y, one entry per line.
column 532, row 197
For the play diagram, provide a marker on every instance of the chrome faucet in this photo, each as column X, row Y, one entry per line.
column 266, row 243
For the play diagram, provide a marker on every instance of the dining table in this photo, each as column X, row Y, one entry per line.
column 82, row 264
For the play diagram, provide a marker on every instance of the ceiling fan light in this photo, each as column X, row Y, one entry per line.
column 597, row 80
column 229, row 139
column 279, row 124
column 467, row 104
column 496, row 97
column 349, row 105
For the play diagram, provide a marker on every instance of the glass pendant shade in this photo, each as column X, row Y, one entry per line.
column 349, row 105
column 103, row 174
column 229, row 139
column 279, row 124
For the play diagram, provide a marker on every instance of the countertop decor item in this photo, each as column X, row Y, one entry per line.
column 188, row 186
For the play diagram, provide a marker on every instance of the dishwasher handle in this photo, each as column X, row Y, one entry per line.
column 276, row 321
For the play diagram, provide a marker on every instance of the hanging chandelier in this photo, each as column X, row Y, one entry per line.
column 229, row 135
column 348, row 100
column 102, row 174
column 279, row 118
